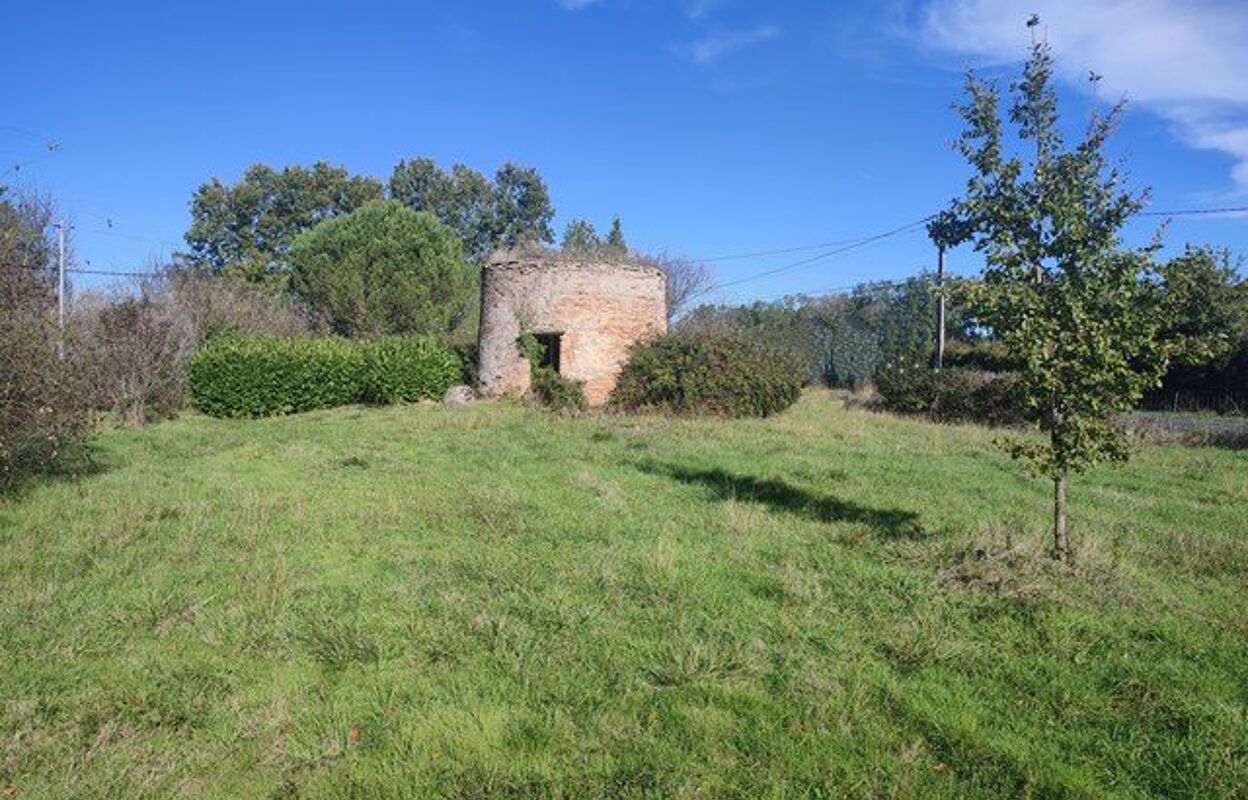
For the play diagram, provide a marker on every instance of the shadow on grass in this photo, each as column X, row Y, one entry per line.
column 892, row 523
column 84, row 462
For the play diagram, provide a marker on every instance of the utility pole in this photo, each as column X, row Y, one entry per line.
column 938, row 358
column 60, row 289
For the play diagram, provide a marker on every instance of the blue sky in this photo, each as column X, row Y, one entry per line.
column 711, row 127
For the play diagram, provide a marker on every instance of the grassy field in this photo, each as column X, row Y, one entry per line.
column 493, row 602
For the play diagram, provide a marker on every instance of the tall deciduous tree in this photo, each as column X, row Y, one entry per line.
column 523, row 212
column 1206, row 302
column 385, row 268
column 1074, row 307
column 463, row 198
column 1203, row 306
column 247, row 228
column 512, row 209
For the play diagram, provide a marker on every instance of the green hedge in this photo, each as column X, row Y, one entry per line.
column 910, row 386
column 406, row 369
column 702, row 373
column 261, row 376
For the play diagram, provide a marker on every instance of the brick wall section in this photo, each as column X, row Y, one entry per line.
column 600, row 310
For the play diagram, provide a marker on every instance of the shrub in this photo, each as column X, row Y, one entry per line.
column 131, row 348
column 907, row 386
column 131, row 353
column 407, row 369
column 699, row 373
column 216, row 304
column 258, row 376
column 853, row 356
column 987, row 398
column 43, row 419
column 989, row 356
column 547, row 387
column 553, row 391
column 466, row 353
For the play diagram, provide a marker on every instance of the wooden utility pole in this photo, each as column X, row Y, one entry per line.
column 938, row 357
column 60, row 289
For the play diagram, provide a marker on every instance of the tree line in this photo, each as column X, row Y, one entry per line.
column 397, row 258
column 844, row 339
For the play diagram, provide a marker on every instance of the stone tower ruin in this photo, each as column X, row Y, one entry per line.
column 586, row 313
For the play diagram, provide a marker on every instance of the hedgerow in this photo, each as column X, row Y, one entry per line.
column 260, row 376
column 910, row 386
column 406, row 369
column 702, row 373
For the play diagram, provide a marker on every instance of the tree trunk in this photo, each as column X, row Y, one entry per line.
column 1061, row 544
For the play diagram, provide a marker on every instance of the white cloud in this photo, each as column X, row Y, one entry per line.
column 711, row 48
column 700, row 9
column 576, row 5
column 1185, row 60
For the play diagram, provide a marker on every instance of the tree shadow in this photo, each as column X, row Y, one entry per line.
column 84, row 462
column 892, row 523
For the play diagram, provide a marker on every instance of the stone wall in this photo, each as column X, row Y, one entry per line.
column 599, row 309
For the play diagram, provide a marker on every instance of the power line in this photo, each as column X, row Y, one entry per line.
column 133, row 236
column 853, row 245
column 48, row 141
column 87, row 271
column 831, row 291
column 781, row 251
column 1183, row 212
column 1188, row 212
column 118, row 274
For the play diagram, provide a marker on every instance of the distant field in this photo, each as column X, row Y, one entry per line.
column 493, row 602
column 1212, row 430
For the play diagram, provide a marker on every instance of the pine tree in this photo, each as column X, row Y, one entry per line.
column 615, row 239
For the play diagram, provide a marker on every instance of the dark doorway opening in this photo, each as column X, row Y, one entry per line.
column 550, row 349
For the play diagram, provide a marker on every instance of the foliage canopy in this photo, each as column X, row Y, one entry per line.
column 511, row 210
column 1078, row 311
column 385, row 269
column 248, row 228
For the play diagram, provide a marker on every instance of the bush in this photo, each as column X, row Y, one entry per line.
column 43, row 418
column 131, row 354
column 407, row 369
column 215, row 304
column 907, row 386
column 466, row 353
column 552, row 390
column 260, row 376
column 547, row 387
column 986, row 398
column 853, row 356
column 700, row 373
column 131, row 348
column 988, row 356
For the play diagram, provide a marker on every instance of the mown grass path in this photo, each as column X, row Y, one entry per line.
column 493, row 602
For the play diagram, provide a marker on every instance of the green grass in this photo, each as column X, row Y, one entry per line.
column 493, row 602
